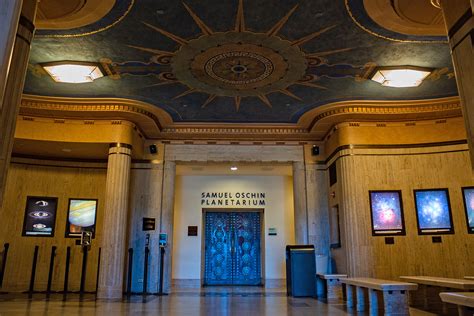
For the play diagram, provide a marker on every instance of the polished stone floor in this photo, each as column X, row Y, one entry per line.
column 208, row 301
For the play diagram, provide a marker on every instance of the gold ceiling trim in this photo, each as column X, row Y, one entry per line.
column 348, row 9
column 132, row 2
column 315, row 124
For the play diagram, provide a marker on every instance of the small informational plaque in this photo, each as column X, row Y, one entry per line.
column 192, row 230
column 148, row 224
column 272, row 231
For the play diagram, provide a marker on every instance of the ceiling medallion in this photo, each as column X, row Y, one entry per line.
column 240, row 63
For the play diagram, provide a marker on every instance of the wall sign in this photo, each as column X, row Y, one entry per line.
column 40, row 216
column 148, row 224
column 192, row 230
column 272, row 231
column 233, row 199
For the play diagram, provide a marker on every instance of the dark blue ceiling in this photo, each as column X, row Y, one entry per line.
column 187, row 72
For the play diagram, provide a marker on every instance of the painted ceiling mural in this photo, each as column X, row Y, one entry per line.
column 239, row 60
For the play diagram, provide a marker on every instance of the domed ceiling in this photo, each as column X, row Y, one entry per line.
column 264, row 61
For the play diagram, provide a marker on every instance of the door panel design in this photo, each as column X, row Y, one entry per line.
column 246, row 229
column 232, row 248
column 218, row 256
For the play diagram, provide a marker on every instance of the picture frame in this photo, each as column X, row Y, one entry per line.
column 433, row 211
column 468, row 202
column 40, row 216
column 386, row 213
column 81, row 216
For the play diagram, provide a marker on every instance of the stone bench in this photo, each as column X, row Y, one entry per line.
column 329, row 286
column 463, row 300
column 428, row 299
column 393, row 293
column 469, row 277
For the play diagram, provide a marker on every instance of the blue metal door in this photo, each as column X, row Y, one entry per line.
column 232, row 248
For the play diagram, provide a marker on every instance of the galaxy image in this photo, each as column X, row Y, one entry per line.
column 386, row 211
column 432, row 207
column 469, row 204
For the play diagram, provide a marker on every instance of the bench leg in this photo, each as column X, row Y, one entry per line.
column 464, row 311
column 350, row 295
column 334, row 289
column 360, row 295
column 373, row 302
column 395, row 303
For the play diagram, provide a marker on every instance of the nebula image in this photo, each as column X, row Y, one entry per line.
column 432, row 208
column 386, row 211
column 469, row 203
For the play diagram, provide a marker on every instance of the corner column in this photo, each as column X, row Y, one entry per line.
column 114, row 223
column 13, row 71
column 300, row 207
column 167, row 218
column 459, row 20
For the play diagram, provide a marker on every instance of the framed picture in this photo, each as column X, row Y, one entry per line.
column 468, row 198
column 433, row 212
column 81, row 216
column 40, row 216
column 386, row 213
column 334, row 228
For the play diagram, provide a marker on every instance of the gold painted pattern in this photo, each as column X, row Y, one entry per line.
column 91, row 32
column 348, row 9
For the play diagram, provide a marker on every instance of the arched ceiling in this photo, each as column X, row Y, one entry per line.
column 259, row 61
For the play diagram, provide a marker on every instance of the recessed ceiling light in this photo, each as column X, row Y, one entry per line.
column 400, row 77
column 66, row 150
column 73, row 71
column 234, row 168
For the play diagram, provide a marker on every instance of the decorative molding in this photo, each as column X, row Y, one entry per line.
column 314, row 125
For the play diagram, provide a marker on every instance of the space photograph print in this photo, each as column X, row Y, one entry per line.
column 81, row 216
column 433, row 211
column 386, row 212
column 468, row 198
column 40, row 216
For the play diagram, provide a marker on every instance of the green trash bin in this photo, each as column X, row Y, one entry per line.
column 300, row 271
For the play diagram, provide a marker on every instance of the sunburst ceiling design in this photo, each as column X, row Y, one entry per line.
column 240, row 63
column 237, row 61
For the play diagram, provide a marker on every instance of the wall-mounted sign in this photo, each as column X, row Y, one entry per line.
column 81, row 217
column 40, row 216
column 272, row 231
column 233, row 199
column 148, row 224
column 192, row 230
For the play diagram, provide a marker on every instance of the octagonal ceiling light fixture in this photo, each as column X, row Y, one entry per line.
column 400, row 76
column 73, row 71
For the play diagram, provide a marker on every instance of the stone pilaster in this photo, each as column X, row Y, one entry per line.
column 15, row 79
column 114, row 224
column 167, row 217
column 300, row 208
column 459, row 20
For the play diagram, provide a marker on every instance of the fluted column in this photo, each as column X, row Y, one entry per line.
column 167, row 217
column 15, row 79
column 459, row 20
column 300, row 207
column 114, row 224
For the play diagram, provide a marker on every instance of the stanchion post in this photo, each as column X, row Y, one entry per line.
column 98, row 271
column 129, row 274
column 51, row 268
column 33, row 272
column 85, row 251
column 4, row 262
column 145, row 271
column 66, row 272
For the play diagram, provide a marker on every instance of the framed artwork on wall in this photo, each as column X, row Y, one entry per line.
column 81, row 216
column 468, row 198
column 386, row 213
column 40, row 216
column 433, row 212
column 334, row 228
